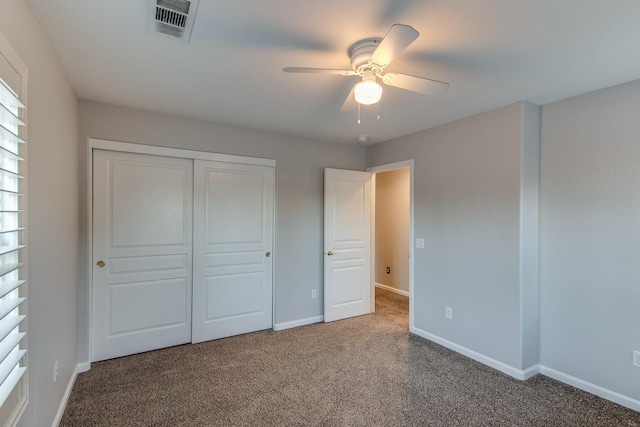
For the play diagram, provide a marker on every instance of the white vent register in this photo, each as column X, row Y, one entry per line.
column 173, row 18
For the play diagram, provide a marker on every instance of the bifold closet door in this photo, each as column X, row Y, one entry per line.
column 233, row 233
column 142, row 243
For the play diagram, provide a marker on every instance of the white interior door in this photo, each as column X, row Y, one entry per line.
column 347, row 247
column 142, row 228
column 233, row 234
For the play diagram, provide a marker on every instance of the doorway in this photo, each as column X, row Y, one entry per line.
column 392, row 233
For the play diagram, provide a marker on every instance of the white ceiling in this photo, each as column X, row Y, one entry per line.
column 492, row 52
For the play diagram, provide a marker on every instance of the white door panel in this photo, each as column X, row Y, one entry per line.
column 142, row 229
column 348, row 294
column 148, row 203
column 233, row 229
column 223, row 289
column 347, row 237
column 169, row 297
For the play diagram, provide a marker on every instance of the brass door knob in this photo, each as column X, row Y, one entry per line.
column 268, row 254
column 100, row 264
column 330, row 253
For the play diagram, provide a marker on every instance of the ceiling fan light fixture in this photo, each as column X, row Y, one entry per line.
column 368, row 92
column 369, row 59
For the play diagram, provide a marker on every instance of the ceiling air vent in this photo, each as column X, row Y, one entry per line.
column 173, row 18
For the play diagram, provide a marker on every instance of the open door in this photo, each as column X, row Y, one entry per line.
column 347, row 248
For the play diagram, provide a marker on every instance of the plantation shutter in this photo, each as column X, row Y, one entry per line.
column 12, row 239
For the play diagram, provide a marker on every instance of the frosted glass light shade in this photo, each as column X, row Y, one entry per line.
column 368, row 92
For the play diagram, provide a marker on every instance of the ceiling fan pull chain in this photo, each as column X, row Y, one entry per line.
column 378, row 110
column 358, row 113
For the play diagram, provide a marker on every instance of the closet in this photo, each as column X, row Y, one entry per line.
column 182, row 247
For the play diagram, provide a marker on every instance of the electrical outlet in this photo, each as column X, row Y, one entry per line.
column 314, row 293
column 448, row 312
column 388, row 270
column 55, row 371
column 636, row 358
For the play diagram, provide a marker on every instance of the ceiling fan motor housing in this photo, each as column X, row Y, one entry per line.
column 361, row 52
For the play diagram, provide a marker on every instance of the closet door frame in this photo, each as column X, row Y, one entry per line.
column 102, row 144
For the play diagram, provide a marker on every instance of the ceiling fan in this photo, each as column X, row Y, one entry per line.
column 369, row 58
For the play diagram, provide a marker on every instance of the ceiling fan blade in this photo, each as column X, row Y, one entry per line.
column 350, row 103
column 333, row 71
column 415, row 84
column 397, row 39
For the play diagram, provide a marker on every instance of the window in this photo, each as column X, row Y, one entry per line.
column 13, row 378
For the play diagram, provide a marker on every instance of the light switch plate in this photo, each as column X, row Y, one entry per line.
column 420, row 243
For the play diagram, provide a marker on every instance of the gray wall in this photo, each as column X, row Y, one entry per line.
column 529, row 234
column 468, row 189
column 590, row 237
column 299, row 189
column 53, row 212
column 586, row 308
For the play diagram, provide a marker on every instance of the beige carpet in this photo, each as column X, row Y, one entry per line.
column 366, row 371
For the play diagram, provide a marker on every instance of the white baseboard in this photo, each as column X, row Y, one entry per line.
column 296, row 323
column 65, row 397
column 613, row 396
column 84, row 367
column 478, row 357
column 390, row 289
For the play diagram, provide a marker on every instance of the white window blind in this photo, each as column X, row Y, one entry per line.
column 12, row 239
